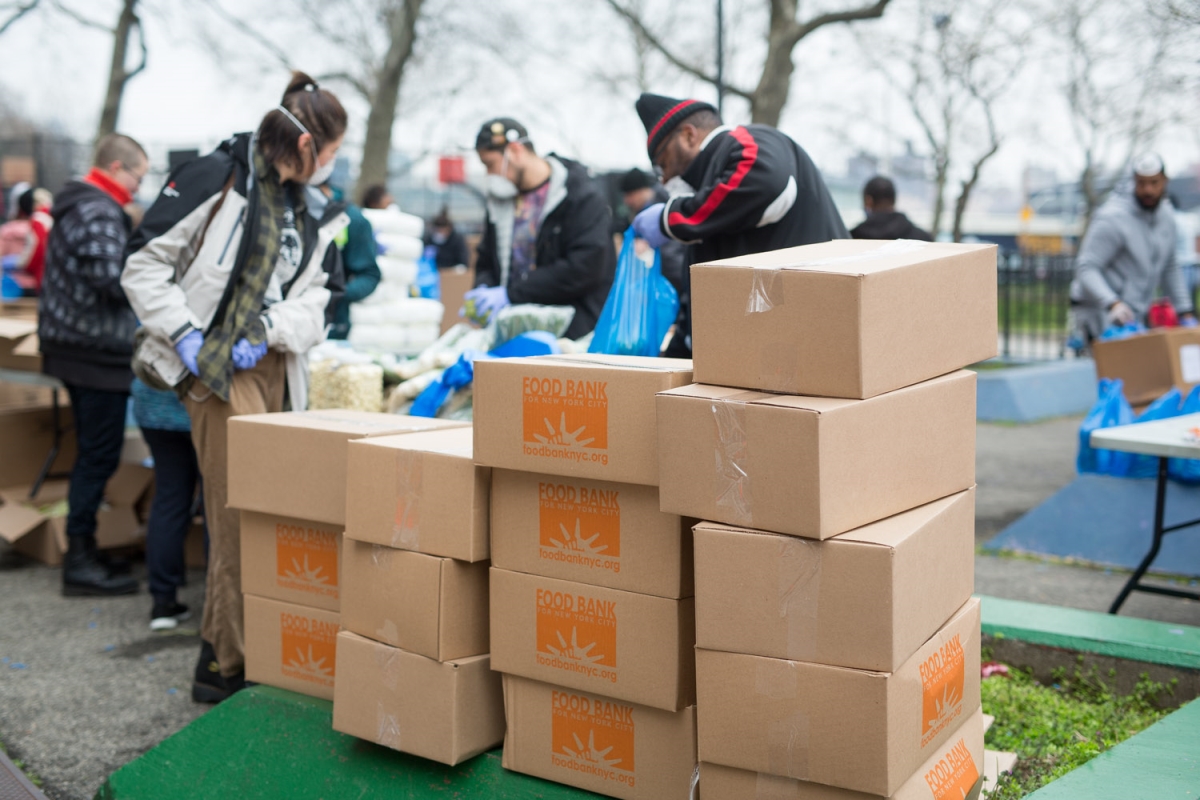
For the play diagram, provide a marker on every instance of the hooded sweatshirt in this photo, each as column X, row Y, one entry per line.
column 1127, row 254
column 888, row 225
column 85, row 324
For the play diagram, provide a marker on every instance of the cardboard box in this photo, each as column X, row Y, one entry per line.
column 849, row 318
column 596, row 743
column 577, row 529
column 953, row 772
column 291, row 646
column 26, row 435
column 435, row 607
column 15, row 335
column 292, row 560
column 294, row 463
column 853, row 729
column 1151, row 363
column 421, row 492
column 866, row 599
column 443, row 711
column 814, row 466
column 632, row 647
column 583, row 416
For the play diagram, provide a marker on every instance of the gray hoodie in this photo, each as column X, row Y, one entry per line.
column 1127, row 254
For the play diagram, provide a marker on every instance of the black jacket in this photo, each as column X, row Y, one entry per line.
column 756, row 191
column 85, row 324
column 673, row 254
column 575, row 254
column 889, row 225
column 451, row 252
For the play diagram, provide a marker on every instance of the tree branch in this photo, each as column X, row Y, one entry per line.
column 356, row 83
column 20, row 11
column 802, row 29
column 249, row 30
column 82, row 20
column 640, row 29
column 141, row 32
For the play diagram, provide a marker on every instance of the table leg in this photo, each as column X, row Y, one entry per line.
column 52, row 456
column 1160, row 497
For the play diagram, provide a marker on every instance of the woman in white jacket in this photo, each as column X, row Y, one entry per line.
column 232, row 281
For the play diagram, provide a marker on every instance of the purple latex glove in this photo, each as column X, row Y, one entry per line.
column 648, row 225
column 9, row 262
column 1188, row 321
column 489, row 300
column 188, row 348
column 246, row 355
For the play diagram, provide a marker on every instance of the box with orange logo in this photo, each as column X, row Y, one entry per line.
column 435, row 607
column 294, row 463
column 853, row 729
column 814, row 466
column 953, row 772
column 444, row 711
column 290, row 646
column 292, row 560
column 597, row 532
column 421, row 492
column 597, row 743
column 866, row 599
column 628, row 646
column 583, row 416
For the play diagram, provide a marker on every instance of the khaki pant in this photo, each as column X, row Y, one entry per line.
column 254, row 391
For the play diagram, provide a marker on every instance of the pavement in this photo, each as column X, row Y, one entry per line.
column 86, row 687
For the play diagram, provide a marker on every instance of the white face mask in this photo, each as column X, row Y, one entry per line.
column 677, row 186
column 498, row 186
column 322, row 171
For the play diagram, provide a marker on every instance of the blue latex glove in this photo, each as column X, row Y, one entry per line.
column 1188, row 322
column 9, row 263
column 246, row 355
column 648, row 225
column 188, row 348
column 489, row 300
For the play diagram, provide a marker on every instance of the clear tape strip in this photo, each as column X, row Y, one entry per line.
column 766, row 291
column 387, row 728
column 787, row 734
column 732, row 481
column 799, row 595
column 388, row 661
column 774, row 787
column 406, row 532
column 694, row 789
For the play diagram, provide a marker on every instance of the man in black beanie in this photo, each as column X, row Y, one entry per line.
column 734, row 191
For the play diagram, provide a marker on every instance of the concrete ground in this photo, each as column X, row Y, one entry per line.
column 85, row 687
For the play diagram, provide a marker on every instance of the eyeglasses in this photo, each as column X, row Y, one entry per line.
column 137, row 178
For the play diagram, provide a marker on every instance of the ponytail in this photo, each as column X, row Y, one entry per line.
column 317, row 109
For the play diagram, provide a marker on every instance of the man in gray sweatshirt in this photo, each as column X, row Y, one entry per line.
column 1127, row 254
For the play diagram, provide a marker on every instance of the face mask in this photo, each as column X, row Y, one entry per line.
column 498, row 186
column 317, row 201
column 439, row 238
column 678, row 186
column 321, row 173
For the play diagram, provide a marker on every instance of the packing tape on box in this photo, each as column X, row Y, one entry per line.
column 694, row 788
column 799, row 591
column 387, row 728
column 732, row 482
column 766, row 291
column 406, row 534
column 787, row 737
column 388, row 661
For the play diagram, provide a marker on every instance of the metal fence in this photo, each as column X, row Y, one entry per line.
column 1034, row 305
column 42, row 159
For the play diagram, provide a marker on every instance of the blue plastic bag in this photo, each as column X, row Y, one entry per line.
column 1164, row 407
column 461, row 373
column 1187, row 470
column 1111, row 409
column 640, row 309
column 1123, row 331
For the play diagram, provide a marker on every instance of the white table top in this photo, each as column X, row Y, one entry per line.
column 1168, row 438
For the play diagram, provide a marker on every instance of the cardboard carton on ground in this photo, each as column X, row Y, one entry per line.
column 431, row 606
column 814, row 466
column 866, row 599
column 597, row 532
column 26, row 435
column 596, row 743
column 955, row 771
column 583, row 416
column 632, row 647
column 848, row 318
column 852, row 729
column 444, row 711
column 16, row 334
column 1150, row 364
column 420, row 492
column 291, row 646
column 294, row 463
column 293, row 560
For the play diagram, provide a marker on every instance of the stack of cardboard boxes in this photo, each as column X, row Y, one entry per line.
column 287, row 475
column 592, row 608
column 412, row 659
column 830, row 442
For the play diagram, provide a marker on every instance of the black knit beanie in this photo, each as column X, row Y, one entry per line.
column 661, row 115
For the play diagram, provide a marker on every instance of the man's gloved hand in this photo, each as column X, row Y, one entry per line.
column 648, row 225
column 1119, row 313
column 246, row 355
column 484, row 301
column 188, row 348
column 9, row 262
column 1188, row 321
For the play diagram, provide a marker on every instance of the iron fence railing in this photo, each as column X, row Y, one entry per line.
column 1034, row 305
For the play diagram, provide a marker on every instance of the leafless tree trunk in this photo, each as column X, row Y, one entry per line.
column 968, row 185
column 770, row 95
column 118, row 74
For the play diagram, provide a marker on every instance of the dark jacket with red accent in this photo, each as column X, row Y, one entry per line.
column 756, row 190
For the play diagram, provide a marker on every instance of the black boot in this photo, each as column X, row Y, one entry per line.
column 84, row 575
column 115, row 565
column 208, row 685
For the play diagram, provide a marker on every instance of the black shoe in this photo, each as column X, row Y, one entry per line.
column 84, row 575
column 116, row 565
column 208, row 685
column 167, row 614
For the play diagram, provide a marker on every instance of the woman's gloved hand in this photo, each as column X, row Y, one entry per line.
column 188, row 348
column 246, row 355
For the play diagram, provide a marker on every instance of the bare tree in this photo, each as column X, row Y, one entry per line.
column 786, row 30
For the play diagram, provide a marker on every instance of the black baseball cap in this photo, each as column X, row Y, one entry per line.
column 496, row 134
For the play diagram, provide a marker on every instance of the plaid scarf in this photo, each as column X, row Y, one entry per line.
column 242, row 318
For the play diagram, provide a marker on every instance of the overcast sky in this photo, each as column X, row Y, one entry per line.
column 544, row 72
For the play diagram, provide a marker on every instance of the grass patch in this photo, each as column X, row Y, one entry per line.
column 1054, row 729
column 33, row 777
